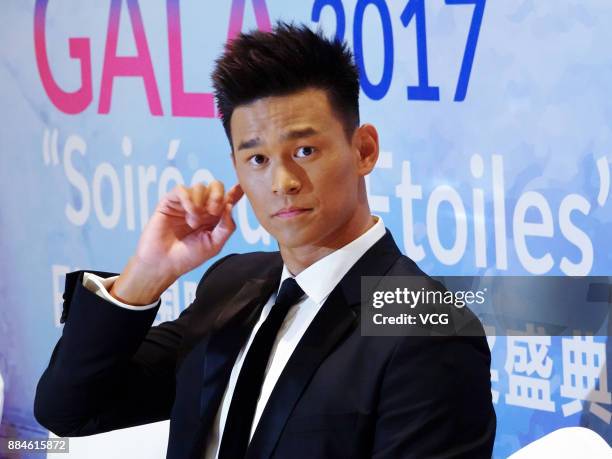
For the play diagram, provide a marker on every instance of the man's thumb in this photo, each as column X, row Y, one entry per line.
column 225, row 227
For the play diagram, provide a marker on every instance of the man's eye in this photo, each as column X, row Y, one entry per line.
column 305, row 151
column 257, row 159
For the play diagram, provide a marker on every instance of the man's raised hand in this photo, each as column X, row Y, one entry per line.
column 190, row 225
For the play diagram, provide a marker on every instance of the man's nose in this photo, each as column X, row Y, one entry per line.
column 285, row 181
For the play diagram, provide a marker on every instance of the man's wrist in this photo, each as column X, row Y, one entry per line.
column 140, row 283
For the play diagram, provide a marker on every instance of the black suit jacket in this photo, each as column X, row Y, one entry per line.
column 340, row 395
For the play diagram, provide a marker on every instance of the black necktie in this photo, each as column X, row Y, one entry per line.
column 237, row 429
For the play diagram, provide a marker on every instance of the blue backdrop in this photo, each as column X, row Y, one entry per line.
column 494, row 121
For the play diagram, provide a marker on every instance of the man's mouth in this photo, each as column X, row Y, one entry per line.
column 290, row 212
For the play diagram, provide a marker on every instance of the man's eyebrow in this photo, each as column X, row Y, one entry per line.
column 251, row 143
column 289, row 135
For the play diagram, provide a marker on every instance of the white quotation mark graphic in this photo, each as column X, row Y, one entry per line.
column 49, row 147
column 173, row 149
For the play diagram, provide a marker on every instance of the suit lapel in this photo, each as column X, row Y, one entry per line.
column 335, row 319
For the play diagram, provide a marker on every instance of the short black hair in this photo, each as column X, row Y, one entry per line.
column 288, row 59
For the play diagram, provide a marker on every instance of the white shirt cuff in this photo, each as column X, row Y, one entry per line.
column 101, row 286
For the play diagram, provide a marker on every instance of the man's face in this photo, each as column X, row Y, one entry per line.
column 296, row 166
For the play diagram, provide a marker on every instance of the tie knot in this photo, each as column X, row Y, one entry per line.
column 289, row 293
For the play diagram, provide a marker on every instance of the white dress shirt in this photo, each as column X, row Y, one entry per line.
column 317, row 281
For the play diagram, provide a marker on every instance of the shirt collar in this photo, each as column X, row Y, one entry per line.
column 320, row 278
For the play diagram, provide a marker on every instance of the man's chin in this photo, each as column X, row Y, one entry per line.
column 292, row 239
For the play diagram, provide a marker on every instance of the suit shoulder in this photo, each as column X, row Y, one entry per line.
column 405, row 266
column 259, row 257
column 466, row 322
column 242, row 266
column 251, row 262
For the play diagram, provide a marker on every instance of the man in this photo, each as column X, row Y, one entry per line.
column 269, row 361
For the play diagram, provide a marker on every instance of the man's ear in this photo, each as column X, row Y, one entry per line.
column 366, row 143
